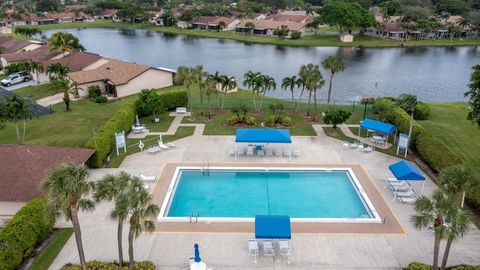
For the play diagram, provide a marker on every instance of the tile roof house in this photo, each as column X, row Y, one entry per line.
column 75, row 61
column 268, row 27
column 213, row 23
column 39, row 54
column 291, row 18
column 119, row 78
column 24, row 167
column 14, row 45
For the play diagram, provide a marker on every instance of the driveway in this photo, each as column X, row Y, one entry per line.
column 35, row 108
column 18, row 85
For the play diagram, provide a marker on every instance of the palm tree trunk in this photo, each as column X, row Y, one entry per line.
column 223, row 98
column 66, row 99
column 201, row 102
column 131, row 235
column 309, row 100
column 255, row 100
column 18, row 133
column 330, row 88
column 446, row 252
column 293, row 100
column 436, row 249
column 24, row 128
column 299, row 98
column 190, row 101
column 78, row 236
column 314, row 104
column 119, row 239
column 209, row 107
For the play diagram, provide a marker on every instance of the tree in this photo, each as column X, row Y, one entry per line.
column 187, row 77
column 34, row 67
column 313, row 81
column 250, row 26
column 291, row 83
column 432, row 212
column 474, row 96
column 114, row 188
column 149, row 102
column 209, row 85
column 282, row 32
column 167, row 18
column 68, row 191
column 252, row 80
column 335, row 64
column 47, row 5
column 64, row 85
column 200, row 75
column 458, row 226
column 457, row 180
column 392, row 7
column 336, row 117
column 346, row 15
column 27, row 31
column 14, row 108
column 221, row 26
column 267, row 83
column 141, row 211
column 65, row 42
column 317, row 21
column 228, row 83
column 454, row 7
column 216, row 78
column 57, row 70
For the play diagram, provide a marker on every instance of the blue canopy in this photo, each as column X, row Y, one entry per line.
column 406, row 171
column 272, row 227
column 197, row 253
column 382, row 127
column 258, row 135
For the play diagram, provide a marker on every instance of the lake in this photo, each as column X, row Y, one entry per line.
column 434, row 74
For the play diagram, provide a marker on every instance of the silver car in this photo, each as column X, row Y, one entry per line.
column 15, row 78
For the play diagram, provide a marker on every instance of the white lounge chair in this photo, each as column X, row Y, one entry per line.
column 354, row 145
column 162, row 145
column 269, row 152
column 249, row 152
column 171, row 145
column 146, row 178
column 368, row 149
column 296, row 153
column 241, row 152
column 286, row 153
column 260, row 153
column 278, row 153
column 345, row 145
column 253, row 250
column 153, row 150
column 268, row 249
column 361, row 147
column 147, row 186
column 231, row 152
column 408, row 193
column 409, row 200
column 284, row 247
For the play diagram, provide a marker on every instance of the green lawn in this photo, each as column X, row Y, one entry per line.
column 448, row 123
column 162, row 126
column 132, row 144
column 313, row 40
column 35, row 92
column 50, row 252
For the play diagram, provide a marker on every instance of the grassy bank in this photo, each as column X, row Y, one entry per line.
column 313, row 40
column 50, row 252
column 448, row 122
column 35, row 92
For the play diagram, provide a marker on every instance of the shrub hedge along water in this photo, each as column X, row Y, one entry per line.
column 20, row 235
column 104, row 139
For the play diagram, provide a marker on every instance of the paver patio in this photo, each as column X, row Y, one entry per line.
column 229, row 250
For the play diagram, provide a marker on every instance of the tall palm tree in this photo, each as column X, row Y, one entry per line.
column 291, row 83
column 302, row 78
column 253, row 81
column 228, row 83
column 457, row 180
column 210, row 86
column 335, row 64
column 267, row 83
column 65, row 42
column 35, row 67
column 114, row 188
column 15, row 108
column 187, row 77
column 216, row 78
column 313, row 82
column 459, row 225
column 432, row 212
column 463, row 22
column 141, row 211
column 200, row 75
column 68, row 191
column 57, row 70
column 64, row 85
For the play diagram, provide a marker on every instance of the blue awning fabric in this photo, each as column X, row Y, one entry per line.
column 259, row 135
column 272, row 227
column 403, row 170
column 382, row 127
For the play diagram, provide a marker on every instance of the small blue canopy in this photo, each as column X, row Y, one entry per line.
column 381, row 127
column 259, row 135
column 406, row 171
column 272, row 227
column 197, row 253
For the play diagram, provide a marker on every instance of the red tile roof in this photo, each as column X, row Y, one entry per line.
column 39, row 54
column 75, row 61
column 14, row 45
column 204, row 19
column 23, row 168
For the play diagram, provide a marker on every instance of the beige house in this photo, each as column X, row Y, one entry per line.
column 119, row 78
column 5, row 30
column 268, row 27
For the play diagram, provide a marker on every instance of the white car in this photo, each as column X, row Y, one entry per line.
column 16, row 78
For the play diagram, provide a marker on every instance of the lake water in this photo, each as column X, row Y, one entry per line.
column 431, row 73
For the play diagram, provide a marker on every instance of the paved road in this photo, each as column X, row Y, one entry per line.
column 35, row 108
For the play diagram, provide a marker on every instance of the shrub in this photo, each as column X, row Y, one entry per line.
column 104, row 139
column 149, row 102
column 382, row 105
column 232, row 120
column 94, row 91
column 20, row 235
column 336, row 117
column 97, row 265
column 465, row 267
column 286, row 120
column 295, row 35
column 250, row 120
column 270, row 120
column 418, row 266
column 171, row 99
column 422, row 111
column 100, row 99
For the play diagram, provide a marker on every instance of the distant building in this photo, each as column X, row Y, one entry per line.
column 215, row 23
column 5, row 30
column 268, row 27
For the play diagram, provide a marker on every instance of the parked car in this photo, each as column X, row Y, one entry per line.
column 15, row 78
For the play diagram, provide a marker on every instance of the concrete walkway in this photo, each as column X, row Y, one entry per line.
column 229, row 250
column 346, row 130
column 177, row 122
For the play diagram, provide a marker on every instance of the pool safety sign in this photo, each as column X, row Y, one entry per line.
column 120, row 141
column 403, row 140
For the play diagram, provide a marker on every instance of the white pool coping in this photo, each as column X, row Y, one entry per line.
column 356, row 184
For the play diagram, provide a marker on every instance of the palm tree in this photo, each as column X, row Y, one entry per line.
column 200, row 74
column 253, row 81
column 227, row 83
column 291, row 83
column 57, row 70
column 35, row 67
column 267, row 83
column 302, row 77
column 187, row 77
column 216, row 78
column 463, row 22
column 210, row 87
column 432, row 212
column 335, row 64
column 65, row 42
column 459, row 225
column 250, row 26
column 141, row 210
column 457, row 180
column 64, row 85
column 67, row 190
column 114, row 188
column 14, row 108
column 313, row 81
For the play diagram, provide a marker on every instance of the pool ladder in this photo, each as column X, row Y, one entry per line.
column 193, row 216
column 206, row 169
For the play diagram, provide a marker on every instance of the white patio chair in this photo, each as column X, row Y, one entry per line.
column 146, row 178
column 268, row 249
column 269, row 152
column 368, row 149
column 408, row 193
column 278, row 153
column 296, row 153
column 249, row 152
column 231, row 152
column 261, row 153
column 286, row 153
column 171, row 145
column 361, row 147
column 253, row 250
column 345, row 145
column 354, row 145
column 241, row 152
column 284, row 247
column 407, row 200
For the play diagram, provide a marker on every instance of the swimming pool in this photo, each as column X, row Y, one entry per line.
column 240, row 193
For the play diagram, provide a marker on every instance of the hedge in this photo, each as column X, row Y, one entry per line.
column 104, row 139
column 171, row 99
column 422, row 266
column 20, row 235
column 97, row 265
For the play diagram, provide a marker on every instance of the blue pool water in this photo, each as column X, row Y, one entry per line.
column 299, row 194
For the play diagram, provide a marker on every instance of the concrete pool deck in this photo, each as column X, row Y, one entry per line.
column 170, row 250
column 390, row 224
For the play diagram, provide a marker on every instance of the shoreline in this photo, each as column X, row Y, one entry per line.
column 319, row 40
